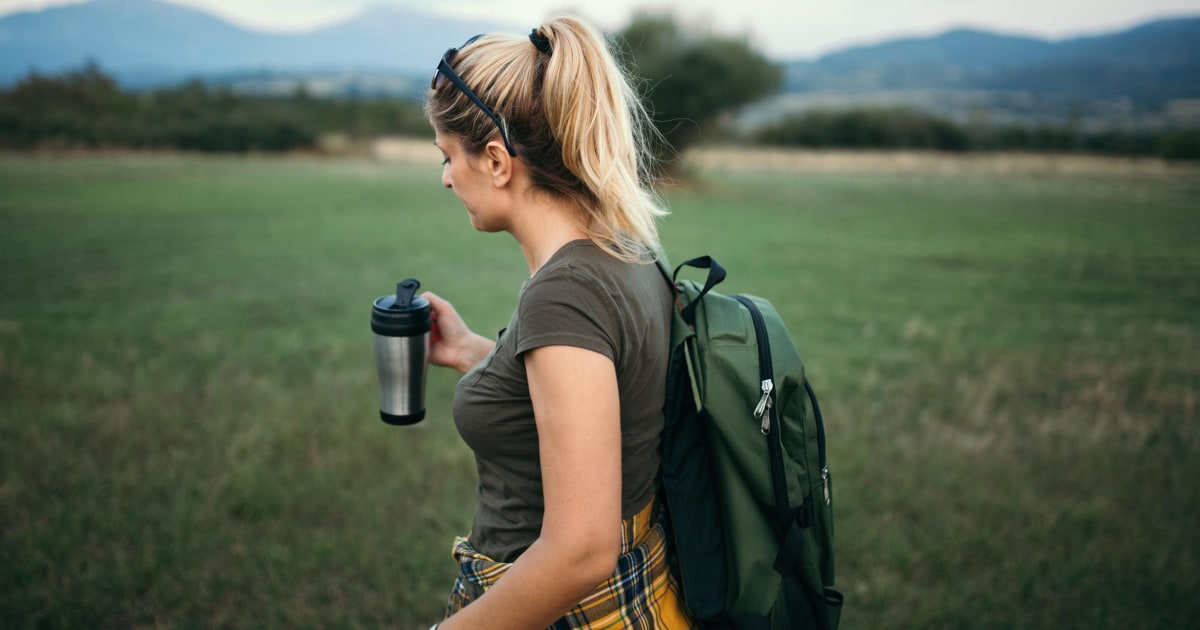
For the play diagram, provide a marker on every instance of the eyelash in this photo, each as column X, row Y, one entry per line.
column 445, row 161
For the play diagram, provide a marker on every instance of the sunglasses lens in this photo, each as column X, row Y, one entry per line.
column 439, row 77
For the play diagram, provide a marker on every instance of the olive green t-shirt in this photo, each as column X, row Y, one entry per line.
column 585, row 298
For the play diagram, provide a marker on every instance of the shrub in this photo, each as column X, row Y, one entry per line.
column 892, row 128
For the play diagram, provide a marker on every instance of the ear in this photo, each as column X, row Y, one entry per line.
column 498, row 163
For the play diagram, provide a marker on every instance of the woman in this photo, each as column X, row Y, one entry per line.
column 541, row 139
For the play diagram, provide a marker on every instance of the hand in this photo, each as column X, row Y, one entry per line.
column 452, row 344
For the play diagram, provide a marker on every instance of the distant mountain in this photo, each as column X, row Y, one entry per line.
column 149, row 41
column 124, row 34
column 950, row 56
column 387, row 49
column 1149, row 64
column 388, row 37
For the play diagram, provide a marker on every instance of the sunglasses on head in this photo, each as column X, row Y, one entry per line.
column 445, row 72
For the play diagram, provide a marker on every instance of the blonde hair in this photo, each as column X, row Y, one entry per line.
column 573, row 118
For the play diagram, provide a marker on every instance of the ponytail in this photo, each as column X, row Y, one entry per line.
column 574, row 120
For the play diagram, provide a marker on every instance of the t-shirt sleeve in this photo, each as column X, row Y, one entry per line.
column 567, row 308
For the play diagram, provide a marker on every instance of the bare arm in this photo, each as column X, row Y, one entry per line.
column 577, row 409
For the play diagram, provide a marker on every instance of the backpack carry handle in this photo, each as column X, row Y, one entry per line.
column 716, row 275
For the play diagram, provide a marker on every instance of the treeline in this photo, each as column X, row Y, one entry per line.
column 88, row 109
column 903, row 128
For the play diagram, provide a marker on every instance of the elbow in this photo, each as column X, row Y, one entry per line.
column 593, row 559
column 603, row 563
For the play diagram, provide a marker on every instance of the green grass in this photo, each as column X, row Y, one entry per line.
column 188, row 428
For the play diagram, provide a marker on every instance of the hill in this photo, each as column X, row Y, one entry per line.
column 150, row 42
column 1149, row 64
column 392, row 50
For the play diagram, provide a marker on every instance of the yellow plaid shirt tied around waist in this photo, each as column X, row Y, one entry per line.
column 640, row 595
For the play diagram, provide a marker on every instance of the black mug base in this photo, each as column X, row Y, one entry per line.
column 411, row 418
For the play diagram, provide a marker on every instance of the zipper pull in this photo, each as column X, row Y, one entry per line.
column 825, row 483
column 764, row 404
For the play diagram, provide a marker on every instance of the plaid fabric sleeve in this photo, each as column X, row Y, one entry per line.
column 640, row 595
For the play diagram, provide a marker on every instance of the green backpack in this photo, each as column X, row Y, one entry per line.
column 748, row 492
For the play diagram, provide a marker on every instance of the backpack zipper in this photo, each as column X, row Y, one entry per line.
column 820, row 441
column 766, row 375
column 762, row 410
column 766, row 411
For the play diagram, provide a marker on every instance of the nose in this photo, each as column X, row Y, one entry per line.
column 446, row 179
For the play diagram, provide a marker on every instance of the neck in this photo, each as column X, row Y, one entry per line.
column 544, row 227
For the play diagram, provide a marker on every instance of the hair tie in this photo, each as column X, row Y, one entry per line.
column 541, row 42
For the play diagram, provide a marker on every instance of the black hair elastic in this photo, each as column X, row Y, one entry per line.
column 541, row 42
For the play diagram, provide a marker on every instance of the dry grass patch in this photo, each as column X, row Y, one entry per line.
column 843, row 161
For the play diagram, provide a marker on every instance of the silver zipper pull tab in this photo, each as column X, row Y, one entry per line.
column 825, row 483
column 767, row 388
column 766, row 419
column 764, row 403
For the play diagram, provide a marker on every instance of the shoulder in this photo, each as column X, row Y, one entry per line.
column 570, row 301
column 577, row 270
column 582, row 272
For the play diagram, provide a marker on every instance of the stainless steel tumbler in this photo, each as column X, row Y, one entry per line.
column 401, row 324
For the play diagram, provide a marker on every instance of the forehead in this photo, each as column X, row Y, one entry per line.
column 445, row 141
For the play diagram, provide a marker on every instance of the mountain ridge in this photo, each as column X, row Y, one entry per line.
column 148, row 42
column 1149, row 63
column 133, row 37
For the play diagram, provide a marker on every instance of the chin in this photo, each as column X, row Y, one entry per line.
column 481, row 226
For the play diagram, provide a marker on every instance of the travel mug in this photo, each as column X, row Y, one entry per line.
column 401, row 324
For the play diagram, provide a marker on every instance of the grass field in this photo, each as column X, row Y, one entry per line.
column 1009, row 367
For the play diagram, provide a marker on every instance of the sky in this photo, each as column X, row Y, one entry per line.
column 783, row 29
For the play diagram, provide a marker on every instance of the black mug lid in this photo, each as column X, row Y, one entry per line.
column 402, row 314
column 406, row 290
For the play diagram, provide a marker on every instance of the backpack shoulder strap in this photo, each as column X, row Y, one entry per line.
column 716, row 275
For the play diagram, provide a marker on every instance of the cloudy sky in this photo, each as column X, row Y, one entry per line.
column 784, row 29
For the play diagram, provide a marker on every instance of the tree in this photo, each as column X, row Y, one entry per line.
column 690, row 78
